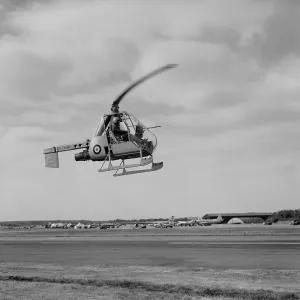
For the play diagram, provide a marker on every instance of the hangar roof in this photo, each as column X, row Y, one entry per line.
column 237, row 215
column 240, row 214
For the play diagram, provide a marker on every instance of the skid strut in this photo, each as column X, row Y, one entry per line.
column 122, row 166
column 155, row 167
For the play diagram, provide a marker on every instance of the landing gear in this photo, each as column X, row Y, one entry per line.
column 144, row 161
column 155, row 167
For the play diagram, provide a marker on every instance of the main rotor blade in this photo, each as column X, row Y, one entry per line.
column 141, row 80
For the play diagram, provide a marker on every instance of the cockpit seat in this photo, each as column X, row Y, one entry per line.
column 116, row 139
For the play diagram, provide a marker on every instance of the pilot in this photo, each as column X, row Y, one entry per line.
column 123, row 134
column 117, row 131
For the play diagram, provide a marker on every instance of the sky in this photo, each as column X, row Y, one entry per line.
column 230, row 111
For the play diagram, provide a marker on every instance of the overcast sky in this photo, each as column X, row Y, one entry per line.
column 230, row 112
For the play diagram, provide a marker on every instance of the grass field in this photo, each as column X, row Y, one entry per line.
column 81, row 284
column 52, row 291
column 25, row 275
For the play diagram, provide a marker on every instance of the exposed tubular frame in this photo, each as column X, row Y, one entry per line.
column 144, row 161
column 122, row 166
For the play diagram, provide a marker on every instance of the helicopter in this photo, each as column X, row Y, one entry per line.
column 108, row 146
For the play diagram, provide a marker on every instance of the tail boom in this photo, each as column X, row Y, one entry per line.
column 51, row 154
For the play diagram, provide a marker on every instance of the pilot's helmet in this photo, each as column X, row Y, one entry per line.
column 116, row 120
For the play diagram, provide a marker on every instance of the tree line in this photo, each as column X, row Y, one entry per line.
column 285, row 215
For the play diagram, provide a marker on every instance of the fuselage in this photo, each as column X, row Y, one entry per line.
column 99, row 149
column 105, row 143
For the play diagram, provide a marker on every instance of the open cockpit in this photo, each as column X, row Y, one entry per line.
column 133, row 127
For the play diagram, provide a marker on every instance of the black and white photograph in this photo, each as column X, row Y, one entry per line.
column 149, row 149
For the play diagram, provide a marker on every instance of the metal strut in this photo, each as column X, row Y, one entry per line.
column 155, row 167
column 122, row 166
column 111, row 167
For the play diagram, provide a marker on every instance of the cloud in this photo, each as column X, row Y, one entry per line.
column 143, row 108
column 16, row 144
column 231, row 106
column 275, row 115
column 88, row 63
column 224, row 99
column 213, row 72
column 233, row 117
column 31, row 76
column 268, row 32
column 39, row 77
column 278, row 37
column 221, row 35
column 43, row 64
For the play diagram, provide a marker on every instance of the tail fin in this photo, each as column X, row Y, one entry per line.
column 51, row 154
column 51, row 160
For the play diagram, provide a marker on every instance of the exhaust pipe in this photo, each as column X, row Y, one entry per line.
column 82, row 156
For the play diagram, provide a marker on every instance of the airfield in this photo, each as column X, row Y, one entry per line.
column 251, row 257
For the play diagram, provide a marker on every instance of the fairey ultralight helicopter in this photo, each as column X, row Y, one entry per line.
column 120, row 136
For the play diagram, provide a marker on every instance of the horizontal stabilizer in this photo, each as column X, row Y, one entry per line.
column 51, row 160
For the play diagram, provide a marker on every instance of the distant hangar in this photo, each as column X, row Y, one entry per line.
column 228, row 216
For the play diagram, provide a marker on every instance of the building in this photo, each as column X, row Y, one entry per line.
column 227, row 216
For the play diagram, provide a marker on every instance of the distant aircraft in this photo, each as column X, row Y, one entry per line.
column 165, row 224
column 207, row 222
column 57, row 225
column 295, row 222
column 80, row 226
column 183, row 223
column 139, row 225
column 70, row 225
column 187, row 223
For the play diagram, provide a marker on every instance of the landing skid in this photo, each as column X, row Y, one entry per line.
column 155, row 167
column 143, row 162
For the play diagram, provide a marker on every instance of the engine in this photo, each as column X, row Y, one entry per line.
column 82, row 156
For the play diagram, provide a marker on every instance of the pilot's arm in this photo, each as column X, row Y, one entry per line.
column 116, row 130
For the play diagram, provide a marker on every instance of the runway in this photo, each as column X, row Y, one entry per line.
column 162, row 248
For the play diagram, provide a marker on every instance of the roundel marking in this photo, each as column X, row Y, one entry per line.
column 97, row 149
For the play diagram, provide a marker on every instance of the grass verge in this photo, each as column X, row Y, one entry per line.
column 176, row 290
